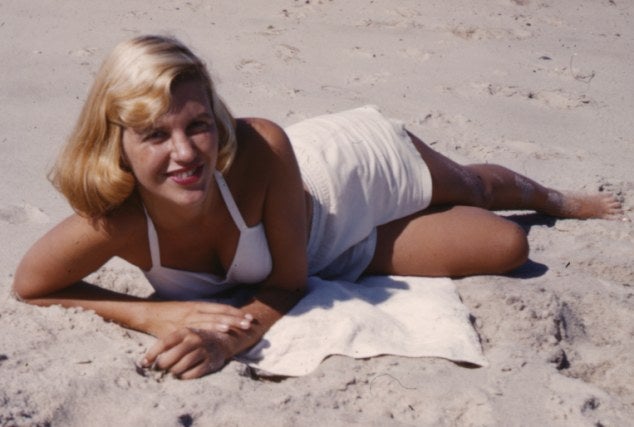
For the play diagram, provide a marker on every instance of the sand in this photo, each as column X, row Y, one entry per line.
column 543, row 87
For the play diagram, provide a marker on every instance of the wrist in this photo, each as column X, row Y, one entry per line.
column 144, row 317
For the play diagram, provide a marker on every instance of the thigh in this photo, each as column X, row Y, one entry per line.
column 457, row 241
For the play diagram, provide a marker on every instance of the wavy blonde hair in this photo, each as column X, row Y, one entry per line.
column 132, row 89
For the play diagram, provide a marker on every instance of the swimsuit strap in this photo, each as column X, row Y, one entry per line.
column 152, row 238
column 231, row 204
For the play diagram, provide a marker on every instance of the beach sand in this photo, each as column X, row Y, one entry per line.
column 543, row 87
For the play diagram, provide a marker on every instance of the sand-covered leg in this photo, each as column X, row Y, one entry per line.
column 506, row 189
column 495, row 187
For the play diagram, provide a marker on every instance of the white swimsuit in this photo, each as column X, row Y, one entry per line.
column 251, row 263
column 361, row 170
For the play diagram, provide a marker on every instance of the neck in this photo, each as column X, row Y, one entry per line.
column 169, row 216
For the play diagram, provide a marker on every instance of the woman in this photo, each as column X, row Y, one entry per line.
column 162, row 176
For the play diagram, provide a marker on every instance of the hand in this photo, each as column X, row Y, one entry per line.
column 189, row 353
column 168, row 317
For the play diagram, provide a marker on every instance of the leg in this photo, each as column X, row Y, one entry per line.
column 497, row 188
column 458, row 241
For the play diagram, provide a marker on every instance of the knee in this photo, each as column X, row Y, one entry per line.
column 513, row 247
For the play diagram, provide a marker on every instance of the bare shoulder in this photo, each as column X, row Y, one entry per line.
column 266, row 128
column 264, row 153
column 254, row 130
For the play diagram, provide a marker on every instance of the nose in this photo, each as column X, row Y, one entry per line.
column 183, row 148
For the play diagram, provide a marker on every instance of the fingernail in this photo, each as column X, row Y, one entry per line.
column 248, row 317
column 144, row 362
column 245, row 324
column 223, row 328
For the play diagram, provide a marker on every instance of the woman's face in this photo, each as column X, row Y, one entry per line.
column 174, row 160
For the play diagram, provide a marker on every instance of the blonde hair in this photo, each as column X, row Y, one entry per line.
column 132, row 89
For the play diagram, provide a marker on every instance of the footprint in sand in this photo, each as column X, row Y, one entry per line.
column 272, row 31
column 530, row 149
column 475, row 33
column 360, row 52
column 509, row 148
column 384, row 24
column 344, row 92
column 405, row 12
column 414, row 53
column 287, row 53
column 250, row 66
column 437, row 119
column 22, row 214
column 84, row 54
column 559, row 99
column 369, row 79
column 122, row 383
column 555, row 98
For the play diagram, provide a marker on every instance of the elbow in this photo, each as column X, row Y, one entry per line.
column 299, row 288
column 298, row 291
column 22, row 293
column 19, row 293
column 25, row 290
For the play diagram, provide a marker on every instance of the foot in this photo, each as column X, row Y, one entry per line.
column 586, row 206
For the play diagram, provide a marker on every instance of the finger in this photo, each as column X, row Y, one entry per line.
column 220, row 323
column 190, row 343
column 197, row 371
column 161, row 346
column 188, row 361
column 203, row 368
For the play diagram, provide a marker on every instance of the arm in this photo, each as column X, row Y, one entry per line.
column 286, row 229
column 189, row 353
column 52, row 271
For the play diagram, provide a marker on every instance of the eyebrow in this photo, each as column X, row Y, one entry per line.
column 154, row 126
column 204, row 115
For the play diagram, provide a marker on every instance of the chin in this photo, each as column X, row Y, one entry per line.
column 195, row 199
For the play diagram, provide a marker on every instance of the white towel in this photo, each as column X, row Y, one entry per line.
column 405, row 316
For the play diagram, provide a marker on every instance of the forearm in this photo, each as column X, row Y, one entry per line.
column 125, row 310
column 160, row 318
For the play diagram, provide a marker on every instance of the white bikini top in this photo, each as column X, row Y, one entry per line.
column 251, row 263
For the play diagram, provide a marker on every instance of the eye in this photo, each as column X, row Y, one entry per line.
column 200, row 126
column 155, row 135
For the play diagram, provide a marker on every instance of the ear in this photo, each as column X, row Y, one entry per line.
column 124, row 163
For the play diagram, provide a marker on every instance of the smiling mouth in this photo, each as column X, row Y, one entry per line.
column 188, row 176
